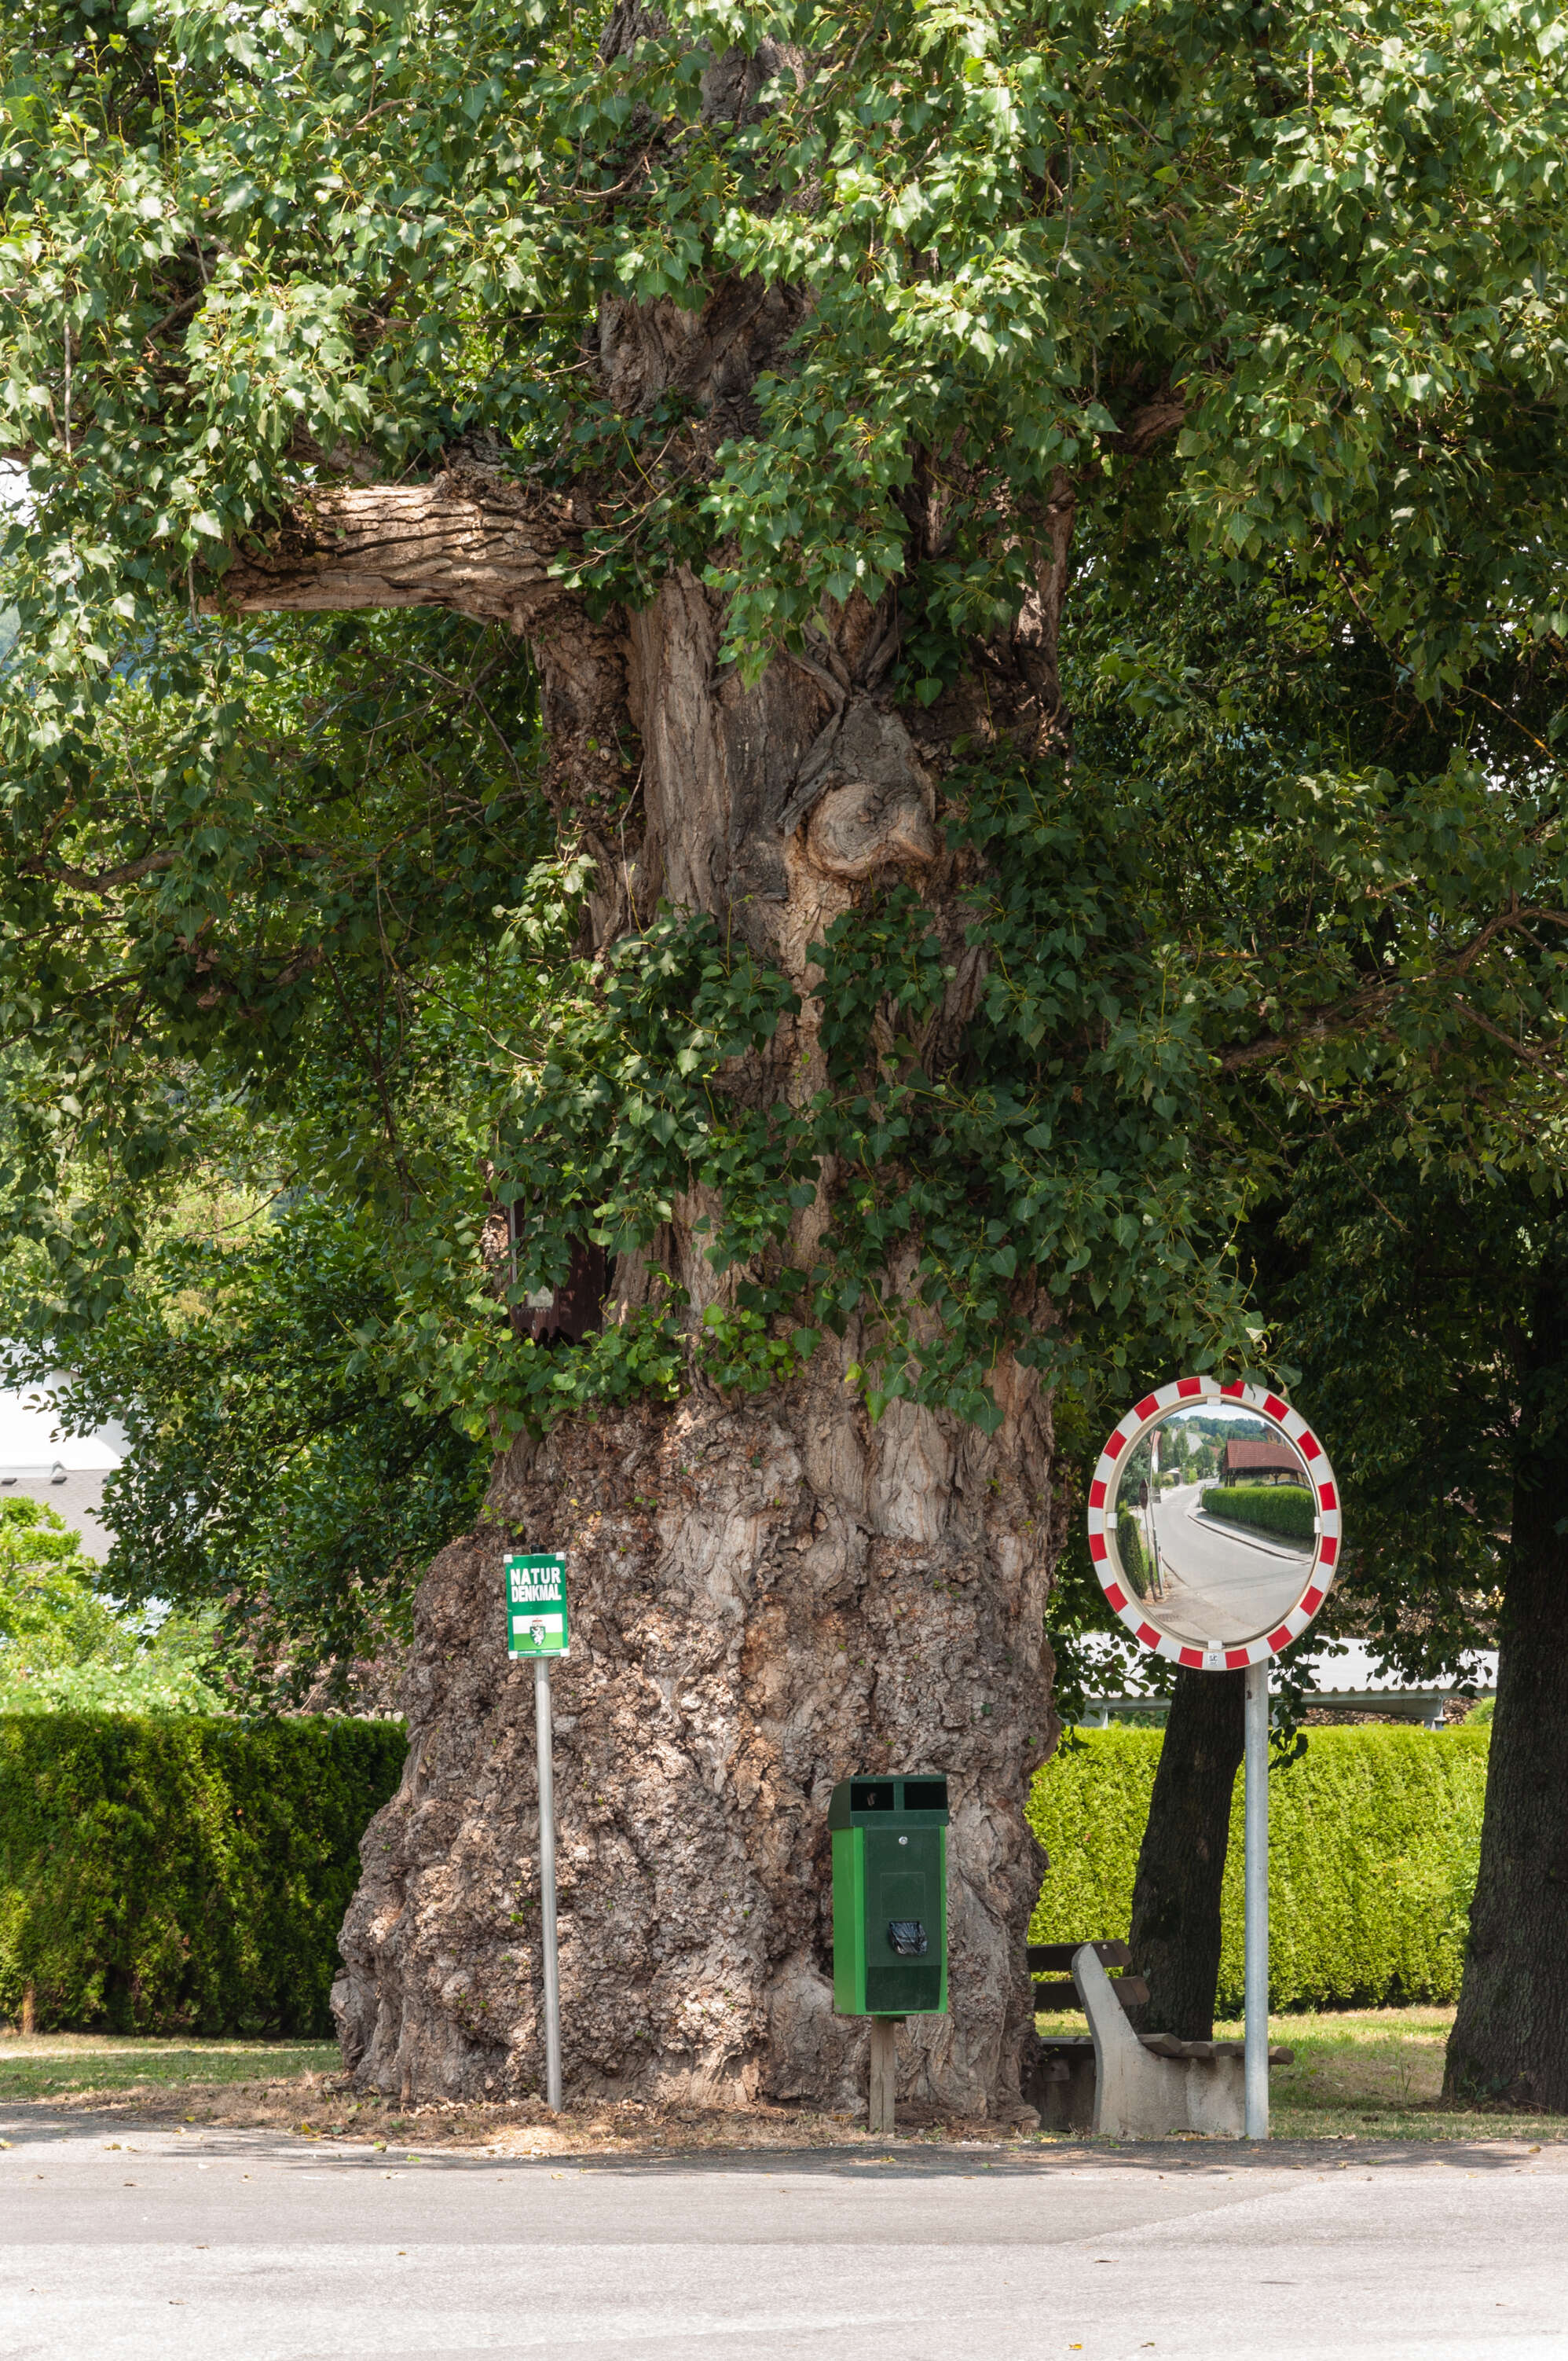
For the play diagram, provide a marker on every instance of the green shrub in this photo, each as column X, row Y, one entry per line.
column 1133, row 1556
column 65, row 1649
column 1373, row 1839
column 182, row 1874
column 1275, row 1507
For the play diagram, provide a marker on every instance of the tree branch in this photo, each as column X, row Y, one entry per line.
column 1317, row 1024
column 477, row 542
column 1157, row 418
column 485, row 545
column 1358, row 1011
column 90, row 882
column 1520, row 1049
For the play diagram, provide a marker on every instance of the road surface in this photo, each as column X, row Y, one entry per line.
column 124, row 2244
column 1220, row 1580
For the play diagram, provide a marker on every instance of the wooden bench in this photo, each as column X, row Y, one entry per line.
column 1130, row 2085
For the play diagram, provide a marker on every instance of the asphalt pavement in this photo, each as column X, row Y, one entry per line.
column 124, row 2244
column 1220, row 1577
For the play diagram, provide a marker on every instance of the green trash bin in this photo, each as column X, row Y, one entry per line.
column 890, row 1896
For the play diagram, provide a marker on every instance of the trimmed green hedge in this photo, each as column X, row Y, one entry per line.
column 1273, row 1508
column 1133, row 1556
column 1373, row 1839
column 181, row 1873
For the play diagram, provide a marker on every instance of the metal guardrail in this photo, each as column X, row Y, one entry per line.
column 1425, row 1706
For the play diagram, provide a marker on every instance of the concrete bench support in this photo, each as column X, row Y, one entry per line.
column 1135, row 2086
column 1138, row 2094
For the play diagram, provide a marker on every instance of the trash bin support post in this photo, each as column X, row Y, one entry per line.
column 884, row 2074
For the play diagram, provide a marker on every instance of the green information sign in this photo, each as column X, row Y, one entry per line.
column 536, row 1606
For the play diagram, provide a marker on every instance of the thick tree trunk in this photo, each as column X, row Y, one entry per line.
column 766, row 1596
column 1175, row 1935
column 764, row 1599
column 1511, row 2036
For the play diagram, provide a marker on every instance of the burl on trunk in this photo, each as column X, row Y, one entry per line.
column 765, row 1596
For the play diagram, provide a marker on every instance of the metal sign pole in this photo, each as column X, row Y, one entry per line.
column 547, row 1883
column 1255, row 1865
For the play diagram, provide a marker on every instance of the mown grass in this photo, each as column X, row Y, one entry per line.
column 62, row 2065
column 1373, row 2073
column 1368, row 2073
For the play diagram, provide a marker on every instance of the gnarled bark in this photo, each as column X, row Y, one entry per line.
column 764, row 1599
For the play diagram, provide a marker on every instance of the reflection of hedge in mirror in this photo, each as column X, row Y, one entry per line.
column 1275, row 1507
column 1131, row 1550
column 1374, row 1841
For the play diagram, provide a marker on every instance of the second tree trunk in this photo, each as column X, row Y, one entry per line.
column 1174, row 1938
column 1511, row 2037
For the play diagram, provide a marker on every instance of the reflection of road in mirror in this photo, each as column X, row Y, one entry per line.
column 1218, row 1580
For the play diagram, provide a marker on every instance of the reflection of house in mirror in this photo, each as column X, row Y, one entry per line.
column 1264, row 1461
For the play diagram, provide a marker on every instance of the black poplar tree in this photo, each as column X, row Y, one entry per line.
column 767, row 381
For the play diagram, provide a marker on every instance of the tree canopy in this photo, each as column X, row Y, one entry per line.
column 1010, row 249
column 1233, row 335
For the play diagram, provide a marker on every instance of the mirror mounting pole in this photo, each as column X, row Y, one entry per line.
column 1255, row 1872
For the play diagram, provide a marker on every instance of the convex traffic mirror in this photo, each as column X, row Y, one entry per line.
column 1214, row 1523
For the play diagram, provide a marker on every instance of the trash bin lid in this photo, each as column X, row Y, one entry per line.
column 917, row 1799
